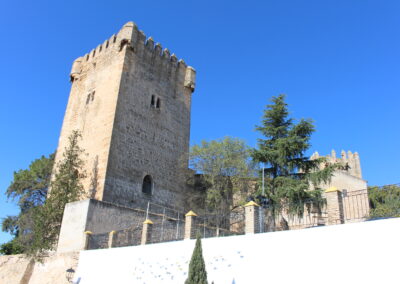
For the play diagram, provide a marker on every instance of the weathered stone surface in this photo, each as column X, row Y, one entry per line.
column 12, row 268
column 334, row 206
column 252, row 224
column 131, row 102
column 17, row 269
column 100, row 218
column 94, row 216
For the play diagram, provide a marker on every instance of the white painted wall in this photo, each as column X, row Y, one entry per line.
column 356, row 253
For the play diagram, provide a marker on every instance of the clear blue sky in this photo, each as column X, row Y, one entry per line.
column 338, row 61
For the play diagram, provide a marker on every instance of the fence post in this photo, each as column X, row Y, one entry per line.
column 87, row 238
column 334, row 202
column 251, row 217
column 190, row 219
column 111, row 239
column 162, row 226
column 146, row 232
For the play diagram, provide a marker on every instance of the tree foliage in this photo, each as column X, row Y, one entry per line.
column 289, row 173
column 11, row 247
column 222, row 163
column 197, row 267
column 10, row 225
column 30, row 186
column 29, row 189
column 65, row 187
column 384, row 201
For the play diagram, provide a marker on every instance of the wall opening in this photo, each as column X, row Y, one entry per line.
column 158, row 104
column 147, row 185
column 152, row 103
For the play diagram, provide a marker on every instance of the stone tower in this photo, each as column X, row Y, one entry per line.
column 131, row 102
column 350, row 177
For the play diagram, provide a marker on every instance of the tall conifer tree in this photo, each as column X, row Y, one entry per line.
column 65, row 187
column 291, row 177
column 197, row 266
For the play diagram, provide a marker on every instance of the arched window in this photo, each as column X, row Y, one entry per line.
column 147, row 185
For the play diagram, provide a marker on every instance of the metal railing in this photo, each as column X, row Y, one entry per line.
column 168, row 224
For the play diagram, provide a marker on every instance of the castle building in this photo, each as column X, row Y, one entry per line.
column 349, row 182
column 130, row 100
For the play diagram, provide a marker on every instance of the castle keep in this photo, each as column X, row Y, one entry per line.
column 131, row 100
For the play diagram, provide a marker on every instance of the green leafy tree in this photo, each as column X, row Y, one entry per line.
column 65, row 187
column 29, row 188
column 11, row 247
column 223, row 164
column 289, row 173
column 10, row 225
column 384, row 201
column 197, row 267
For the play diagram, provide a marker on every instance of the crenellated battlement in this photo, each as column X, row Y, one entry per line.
column 132, row 39
column 131, row 101
column 350, row 161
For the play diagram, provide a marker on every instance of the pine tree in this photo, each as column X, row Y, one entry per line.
column 197, row 267
column 29, row 188
column 65, row 187
column 290, row 174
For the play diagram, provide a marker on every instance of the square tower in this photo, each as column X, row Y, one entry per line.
column 131, row 101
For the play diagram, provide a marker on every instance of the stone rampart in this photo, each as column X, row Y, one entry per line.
column 18, row 269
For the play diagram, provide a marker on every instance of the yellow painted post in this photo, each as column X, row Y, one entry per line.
column 146, row 231
column 190, row 223
column 111, row 239
column 87, row 235
column 334, row 204
column 251, row 217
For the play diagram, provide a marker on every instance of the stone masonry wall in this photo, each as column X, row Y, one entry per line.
column 152, row 126
column 95, row 81
column 131, row 101
column 18, row 269
column 100, row 218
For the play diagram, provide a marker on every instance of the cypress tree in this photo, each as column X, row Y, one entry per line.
column 65, row 187
column 197, row 267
